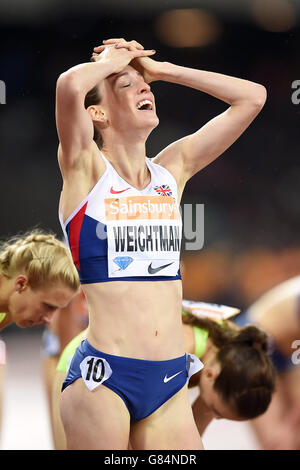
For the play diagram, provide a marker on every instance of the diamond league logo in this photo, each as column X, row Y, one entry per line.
column 123, row 261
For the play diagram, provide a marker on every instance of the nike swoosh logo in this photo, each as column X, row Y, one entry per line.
column 117, row 192
column 167, row 379
column 155, row 270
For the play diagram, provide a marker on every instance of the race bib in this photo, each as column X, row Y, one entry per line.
column 193, row 365
column 94, row 371
column 215, row 312
column 144, row 236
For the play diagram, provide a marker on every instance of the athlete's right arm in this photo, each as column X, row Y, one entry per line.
column 74, row 124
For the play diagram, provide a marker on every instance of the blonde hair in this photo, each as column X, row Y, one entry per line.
column 41, row 256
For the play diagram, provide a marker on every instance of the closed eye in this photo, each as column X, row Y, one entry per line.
column 128, row 84
column 50, row 307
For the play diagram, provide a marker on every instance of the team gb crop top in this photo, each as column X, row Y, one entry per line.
column 120, row 233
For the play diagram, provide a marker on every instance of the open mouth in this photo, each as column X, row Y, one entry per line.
column 145, row 105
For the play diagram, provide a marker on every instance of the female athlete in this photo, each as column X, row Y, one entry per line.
column 119, row 212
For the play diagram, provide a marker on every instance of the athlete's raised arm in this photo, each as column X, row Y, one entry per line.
column 75, row 122
column 190, row 154
column 187, row 156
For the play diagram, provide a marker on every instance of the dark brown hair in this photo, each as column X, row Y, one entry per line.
column 246, row 381
column 93, row 97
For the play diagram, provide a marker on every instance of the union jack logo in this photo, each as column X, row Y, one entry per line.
column 163, row 190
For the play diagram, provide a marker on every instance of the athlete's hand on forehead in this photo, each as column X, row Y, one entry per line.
column 132, row 46
column 149, row 68
column 119, row 42
column 122, row 53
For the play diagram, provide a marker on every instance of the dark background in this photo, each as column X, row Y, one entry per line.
column 250, row 193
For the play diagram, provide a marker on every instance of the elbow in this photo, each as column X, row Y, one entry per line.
column 258, row 97
column 67, row 81
column 62, row 79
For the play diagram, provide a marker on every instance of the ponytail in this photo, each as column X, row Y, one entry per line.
column 246, row 380
column 41, row 256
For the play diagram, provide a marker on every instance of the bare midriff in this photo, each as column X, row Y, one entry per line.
column 138, row 319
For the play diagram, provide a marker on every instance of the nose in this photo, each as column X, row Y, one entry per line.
column 144, row 87
column 47, row 317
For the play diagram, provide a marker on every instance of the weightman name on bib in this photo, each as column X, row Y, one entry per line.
column 144, row 236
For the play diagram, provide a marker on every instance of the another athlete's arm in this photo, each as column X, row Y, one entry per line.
column 2, row 374
column 2, row 371
column 202, row 415
column 272, row 428
column 57, row 426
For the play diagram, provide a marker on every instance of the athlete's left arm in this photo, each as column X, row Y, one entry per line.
column 187, row 156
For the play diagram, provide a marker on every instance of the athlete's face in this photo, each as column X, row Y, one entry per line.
column 211, row 398
column 128, row 101
column 30, row 307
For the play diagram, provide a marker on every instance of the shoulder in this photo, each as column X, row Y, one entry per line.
column 173, row 169
column 285, row 295
column 166, row 158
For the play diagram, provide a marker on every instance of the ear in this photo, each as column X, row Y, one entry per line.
column 211, row 373
column 21, row 283
column 97, row 114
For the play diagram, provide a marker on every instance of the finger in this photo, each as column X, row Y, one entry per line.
column 125, row 45
column 111, row 41
column 131, row 46
column 137, row 45
column 134, row 45
column 143, row 53
column 99, row 48
column 123, row 41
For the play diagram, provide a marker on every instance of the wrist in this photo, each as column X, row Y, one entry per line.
column 167, row 71
column 109, row 66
